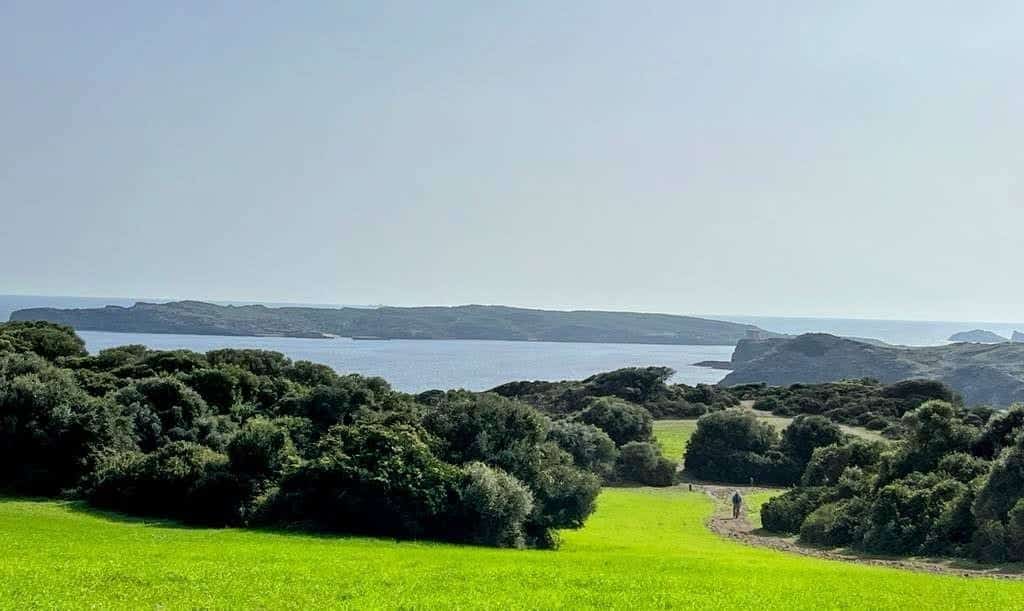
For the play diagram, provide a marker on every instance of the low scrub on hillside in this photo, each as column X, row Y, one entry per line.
column 647, row 387
column 863, row 403
column 952, row 486
column 248, row 437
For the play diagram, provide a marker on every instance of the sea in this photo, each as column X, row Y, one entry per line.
column 418, row 365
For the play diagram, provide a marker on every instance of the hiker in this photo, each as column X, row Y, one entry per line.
column 737, row 501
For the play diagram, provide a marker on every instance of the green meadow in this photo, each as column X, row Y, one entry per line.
column 643, row 548
column 672, row 436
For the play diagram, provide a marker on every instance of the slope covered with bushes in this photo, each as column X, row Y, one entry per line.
column 246, row 437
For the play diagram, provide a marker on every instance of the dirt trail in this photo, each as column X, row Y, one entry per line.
column 740, row 529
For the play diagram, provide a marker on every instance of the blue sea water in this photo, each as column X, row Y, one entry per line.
column 417, row 365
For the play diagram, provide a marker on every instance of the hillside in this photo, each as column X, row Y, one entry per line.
column 982, row 373
column 460, row 322
column 978, row 336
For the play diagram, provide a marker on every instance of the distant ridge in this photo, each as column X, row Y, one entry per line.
column 983, row 373
column 458, row 322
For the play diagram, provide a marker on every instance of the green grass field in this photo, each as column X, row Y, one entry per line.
column 672, row 436
column 643, row 548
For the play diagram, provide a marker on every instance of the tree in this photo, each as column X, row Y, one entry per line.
column 48, row 340
column 497, row 506
column 622, row 421
column 590, row 447
column 734, row 446
column 805, row 434
column 643, row 463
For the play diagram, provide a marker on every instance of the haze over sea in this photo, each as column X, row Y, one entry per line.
column 417, row 365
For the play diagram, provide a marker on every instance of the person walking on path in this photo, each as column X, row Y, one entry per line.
column 737, row 502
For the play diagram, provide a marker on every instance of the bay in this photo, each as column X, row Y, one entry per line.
column 418, row 365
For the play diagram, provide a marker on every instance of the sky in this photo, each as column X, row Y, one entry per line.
column 771, row 158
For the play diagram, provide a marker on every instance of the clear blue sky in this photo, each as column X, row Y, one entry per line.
column 791, row 158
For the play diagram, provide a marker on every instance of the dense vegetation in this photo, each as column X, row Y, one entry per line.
column 247, row 437
column 864, row 402
column 734, row 446
column 647, row 387
column 952, row 486
column 461, row 322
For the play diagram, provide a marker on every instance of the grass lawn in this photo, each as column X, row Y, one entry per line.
column 643, row 548
column 753, row 504
column 672, row 436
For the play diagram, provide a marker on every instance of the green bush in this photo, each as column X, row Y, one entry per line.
column 786, row 512
column 989, row 542
column 497, row 506
column 643, row 463
column 590, row 447
column 622, row 421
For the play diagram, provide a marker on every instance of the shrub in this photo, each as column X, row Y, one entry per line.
column 1015, row 532
column 1004, row 486
column 786, row 512
column 767, row 404
column 989, row 542
column 733, row 446
column 371, row 479
column 643, row 463
column 216, row 386
column 50, row 430
column 805, row 434
column 590, row 447
column 496, row 504
column 834, row 524
column 178, row 480
column 622, row 421
column 48, row 340
column 963, row 467
column 260, row 450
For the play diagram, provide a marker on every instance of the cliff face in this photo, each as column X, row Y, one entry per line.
column 990, row 374
column 461, row 322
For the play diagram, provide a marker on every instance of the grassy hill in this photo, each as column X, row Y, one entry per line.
column 460, row 322
column 644, row 548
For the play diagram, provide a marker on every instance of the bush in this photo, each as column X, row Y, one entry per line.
column 989, row 542
column 50, row 430
column 370, row 479
column 590, row 447
column 805, row 434
column 963, row 467
column 643, row 463
column 497, row 506
column 786, row 512
column 181, row 480
column 1015, row 532
column 1004, row 486
column 834, row 524
column 260, row 450
column 733, row 446
column 622, row 421
column 48, row 340
column 767, row 404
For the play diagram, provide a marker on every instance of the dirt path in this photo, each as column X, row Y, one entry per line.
column 740, row 529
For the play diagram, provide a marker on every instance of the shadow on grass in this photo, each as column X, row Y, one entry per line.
column 304, row 531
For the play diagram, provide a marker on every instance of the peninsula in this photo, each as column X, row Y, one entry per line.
column 460, row 322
